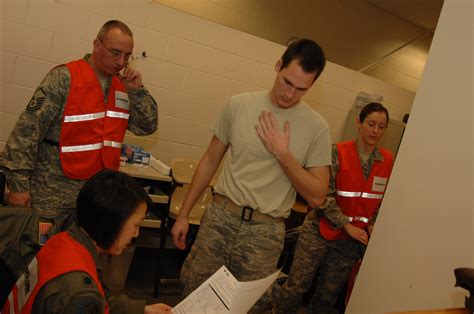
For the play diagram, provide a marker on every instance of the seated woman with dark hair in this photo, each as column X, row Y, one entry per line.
column 110, row 207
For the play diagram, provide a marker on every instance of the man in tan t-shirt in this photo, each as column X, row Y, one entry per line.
column 277, row 146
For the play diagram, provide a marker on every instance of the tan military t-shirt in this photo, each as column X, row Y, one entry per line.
column 251, row 176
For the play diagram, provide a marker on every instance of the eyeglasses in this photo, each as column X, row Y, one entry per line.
column 115, row 53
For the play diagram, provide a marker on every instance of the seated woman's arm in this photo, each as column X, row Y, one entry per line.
column 73, row 293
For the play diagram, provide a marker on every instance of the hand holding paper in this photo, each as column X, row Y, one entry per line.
column 222, row 293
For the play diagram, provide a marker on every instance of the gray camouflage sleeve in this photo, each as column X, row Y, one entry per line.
column 77, row 293
column 19, row 157
column 121, row 303
column 71, row 293
column 330, row 209
column 143, row 112
column 374, row 216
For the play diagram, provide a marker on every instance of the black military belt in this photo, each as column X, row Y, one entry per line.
column 246, row 213
column 50, row 142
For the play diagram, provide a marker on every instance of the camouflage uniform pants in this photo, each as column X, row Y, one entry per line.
column 334, row 261
column 52, row 193
column 250, row 250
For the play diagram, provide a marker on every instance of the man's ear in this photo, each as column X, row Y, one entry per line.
column 278, row 65
column 96, row 44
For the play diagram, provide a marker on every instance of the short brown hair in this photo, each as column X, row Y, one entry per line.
column 372, row 107
column 112, row 24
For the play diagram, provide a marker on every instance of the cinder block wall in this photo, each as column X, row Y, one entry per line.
column 279, row 20
column 192, row 67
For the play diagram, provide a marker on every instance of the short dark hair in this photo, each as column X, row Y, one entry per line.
column 309, row 54
column 105, row 203
column 112, row 24
column 372, row 107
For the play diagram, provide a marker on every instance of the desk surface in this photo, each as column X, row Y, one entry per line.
column 144, row 172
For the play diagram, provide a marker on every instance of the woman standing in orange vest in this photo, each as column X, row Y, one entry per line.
column 65, row 275
column 334, row 237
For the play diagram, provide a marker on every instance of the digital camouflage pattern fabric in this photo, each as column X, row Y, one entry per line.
column 31, row 160
column 332, row 259
column 312, row 250
column 224, row 239
column 76, row 292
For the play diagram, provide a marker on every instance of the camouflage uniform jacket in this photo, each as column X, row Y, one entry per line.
column 76, row 292
column 33, row 165
column 330, row 209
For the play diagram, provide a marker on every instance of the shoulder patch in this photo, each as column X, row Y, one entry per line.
column 85, row 305
column 93, row 308
column 37, row 100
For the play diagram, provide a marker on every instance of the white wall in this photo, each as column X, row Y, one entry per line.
column 425, row 227
column 192, row 67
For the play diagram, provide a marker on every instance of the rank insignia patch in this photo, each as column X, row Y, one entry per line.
column 37, row 100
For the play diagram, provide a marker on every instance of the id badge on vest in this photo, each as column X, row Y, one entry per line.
column 121, row 100
column 379, row 184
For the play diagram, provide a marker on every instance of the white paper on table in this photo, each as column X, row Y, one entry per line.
column 222, row 293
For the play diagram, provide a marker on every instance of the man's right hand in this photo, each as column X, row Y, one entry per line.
column 22, row 199
column 179, row 232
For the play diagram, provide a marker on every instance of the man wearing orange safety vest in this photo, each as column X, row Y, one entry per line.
column 75, row 123
column 333, row 238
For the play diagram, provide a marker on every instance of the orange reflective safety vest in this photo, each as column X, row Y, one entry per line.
column 358, row 198
column 92, row 131
column 61, row 254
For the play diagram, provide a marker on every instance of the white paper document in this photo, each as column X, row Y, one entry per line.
column 222, row 293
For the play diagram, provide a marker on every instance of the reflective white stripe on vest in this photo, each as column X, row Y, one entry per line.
column 348, row 194
column 26, row 284
column 81, row 148
column 359, row 194
column 116, row 114
column 85, row 117
column 358, row 218
column 12, row 305
column 371, row 195
column 113, row 144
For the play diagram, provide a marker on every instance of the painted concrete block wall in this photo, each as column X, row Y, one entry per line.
column 280, row 20
column 192, row 67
